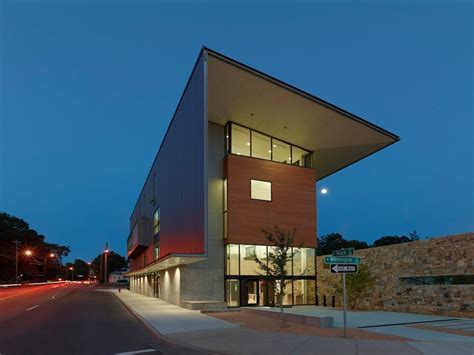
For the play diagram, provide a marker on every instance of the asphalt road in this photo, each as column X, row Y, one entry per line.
column 73, row 319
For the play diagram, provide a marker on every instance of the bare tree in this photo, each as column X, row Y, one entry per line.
column 277, row 258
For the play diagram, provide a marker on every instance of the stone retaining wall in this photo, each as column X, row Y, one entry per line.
column 443, row 256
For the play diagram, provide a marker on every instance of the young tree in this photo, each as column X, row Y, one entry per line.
column 277, row 258
column 357, row 285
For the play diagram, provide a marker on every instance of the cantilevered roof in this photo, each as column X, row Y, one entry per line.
column 239, row 93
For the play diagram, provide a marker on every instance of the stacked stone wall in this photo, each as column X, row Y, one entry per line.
column 441, row 256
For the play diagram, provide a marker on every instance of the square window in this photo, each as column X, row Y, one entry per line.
column 260, row 190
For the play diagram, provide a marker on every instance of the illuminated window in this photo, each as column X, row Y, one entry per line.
column 260, row 190
column 240, row 140
column 156, row 221
column 281, row 152
column 261, row 146
column 225, row 208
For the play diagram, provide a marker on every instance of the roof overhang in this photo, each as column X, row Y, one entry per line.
column 253, row 99
column 167, row 262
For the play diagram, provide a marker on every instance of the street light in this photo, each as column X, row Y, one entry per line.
column 51, row 255
column 28, row 252
column 106, row 253
column 72, row 273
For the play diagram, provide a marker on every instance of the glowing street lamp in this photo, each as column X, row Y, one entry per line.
column 72, row 273
column 28, row 252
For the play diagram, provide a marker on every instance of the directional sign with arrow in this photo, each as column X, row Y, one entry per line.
column 344, row 268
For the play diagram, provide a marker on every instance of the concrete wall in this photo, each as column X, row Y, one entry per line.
column 451, row 255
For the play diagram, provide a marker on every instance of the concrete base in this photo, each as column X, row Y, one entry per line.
column 203, row 305
column 320, row 322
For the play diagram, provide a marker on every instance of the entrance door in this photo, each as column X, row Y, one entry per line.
column 252, row 292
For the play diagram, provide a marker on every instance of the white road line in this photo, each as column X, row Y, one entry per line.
column 29, row 309
column 138, row 352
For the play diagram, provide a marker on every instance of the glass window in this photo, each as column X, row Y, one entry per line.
column 303, row 262
column 240, row 140
column 304, row 291
column 288, row 297
column 298, row 156
column 225, row 208
column 261, row 146
column 260, row 190
column 156, row 221
column 232, row 262
column 248, row 265
column 281, row 151
column 232, row 292
column 156, row 254
column 272, row 249
column 227, row 138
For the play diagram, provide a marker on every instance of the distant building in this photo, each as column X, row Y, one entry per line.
column 242, row 153
column 119, row 278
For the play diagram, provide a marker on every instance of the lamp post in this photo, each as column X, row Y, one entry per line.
column 51, row 255
column 106, row 252
column 16, row 242
column 72, row 273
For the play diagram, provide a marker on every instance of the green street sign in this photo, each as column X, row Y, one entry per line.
column 343, row 252
column 342, row 260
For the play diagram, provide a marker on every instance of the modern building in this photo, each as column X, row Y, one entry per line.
column 243, row 153
column 119, row 277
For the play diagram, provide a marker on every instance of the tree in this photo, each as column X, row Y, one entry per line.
column 390, row 239
column 33, row 266
column 277, row 258
column 115, row 261
column 414, row 235
column 335, row 241
column 357, row 285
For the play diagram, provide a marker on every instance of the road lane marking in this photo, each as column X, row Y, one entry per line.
column 29, row 309
column 139, row 352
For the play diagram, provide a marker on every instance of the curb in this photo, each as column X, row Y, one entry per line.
column 155, row 332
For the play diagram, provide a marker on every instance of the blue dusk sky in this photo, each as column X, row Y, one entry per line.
column 89, row 88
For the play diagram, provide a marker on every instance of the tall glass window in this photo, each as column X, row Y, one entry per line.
column 272, row 249
column 281, row 151
column 225, row 208
column 232, row 259
column 304, row 291
column 240, row 140
column 248, row 265
column 156, row 221
column 261, row 146
column 303, row 262
column 298, row 156
column 232, row 292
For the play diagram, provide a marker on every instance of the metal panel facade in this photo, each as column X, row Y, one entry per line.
column 176, row 180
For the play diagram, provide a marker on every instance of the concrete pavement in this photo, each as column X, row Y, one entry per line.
column 223, row 338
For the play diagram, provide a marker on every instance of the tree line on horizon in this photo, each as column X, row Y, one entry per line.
column 39, row 260
column 335, row 241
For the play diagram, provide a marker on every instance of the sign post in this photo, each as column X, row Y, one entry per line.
column 343, row 261
column 344, row 302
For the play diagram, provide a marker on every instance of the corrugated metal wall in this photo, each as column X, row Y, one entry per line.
column 176, row 180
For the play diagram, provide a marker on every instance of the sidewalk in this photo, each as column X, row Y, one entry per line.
column 198, row 330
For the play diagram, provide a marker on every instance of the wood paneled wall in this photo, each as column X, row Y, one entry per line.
column 293, row 202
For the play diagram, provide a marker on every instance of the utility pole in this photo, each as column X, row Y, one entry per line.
column 106, row 251
column 16, row 242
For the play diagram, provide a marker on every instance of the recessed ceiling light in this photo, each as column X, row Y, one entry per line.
column 248, row 143
column 238, row 153
column 251, row 114
column 269, row 151
column 274, row 146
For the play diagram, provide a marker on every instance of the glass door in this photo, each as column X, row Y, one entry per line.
column 252, row 292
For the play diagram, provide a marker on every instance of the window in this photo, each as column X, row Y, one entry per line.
column 240, row 140
column 298, row 156
column 225, row 208
column 156, row 221
column 261, row 146
column 281, row 152
column 248, row 265
column 156, row 251
column 232, row 292
column 260, row 190
column 303, row 262
column 232, row 262
column 304, row 291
